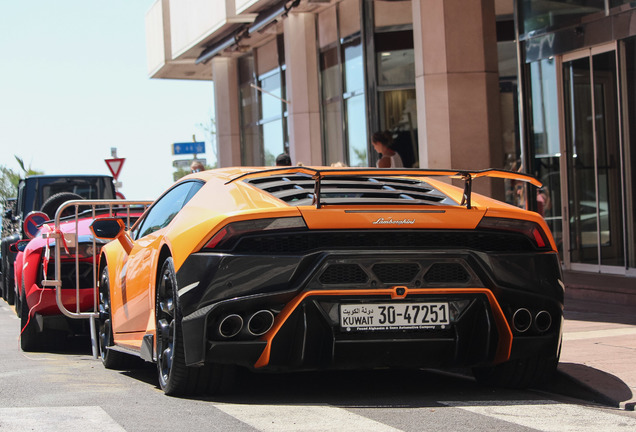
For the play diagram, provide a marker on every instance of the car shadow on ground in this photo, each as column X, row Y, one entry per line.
column 395, row 388
column 377, row 388
column 583, row 382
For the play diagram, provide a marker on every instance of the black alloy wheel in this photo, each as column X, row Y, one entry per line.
column 111, row 359
column 173, row 374
column 175, row 378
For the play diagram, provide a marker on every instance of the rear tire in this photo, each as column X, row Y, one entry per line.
column 30, row 339
column 175, row 378
column 11, row 298
column 18, row 301
column 111, row 359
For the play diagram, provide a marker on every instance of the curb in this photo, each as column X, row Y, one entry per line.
column 568, row 385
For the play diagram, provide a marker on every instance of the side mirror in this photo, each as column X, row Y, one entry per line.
column 111, row 229
column 107, row 228
column 19, row 246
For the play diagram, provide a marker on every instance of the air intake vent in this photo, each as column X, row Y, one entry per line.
column 337, row 274
column 447, row 273
column 298, row 190
column 396, row 273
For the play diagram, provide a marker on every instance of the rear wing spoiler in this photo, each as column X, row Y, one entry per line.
column 467, row 176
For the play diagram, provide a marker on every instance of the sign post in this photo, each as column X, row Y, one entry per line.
column 115, row 165
column 196, row 147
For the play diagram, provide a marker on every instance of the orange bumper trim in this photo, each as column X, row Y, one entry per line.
column 397, row 292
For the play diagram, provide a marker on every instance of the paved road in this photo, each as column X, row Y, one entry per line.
column 72, row 391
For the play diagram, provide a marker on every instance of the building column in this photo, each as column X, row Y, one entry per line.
column 227, row 111
column 457, row 85
column 301, row 61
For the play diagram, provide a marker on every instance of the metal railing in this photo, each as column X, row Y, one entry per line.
column 69, row 239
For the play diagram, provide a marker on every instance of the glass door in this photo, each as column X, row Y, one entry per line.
column 593, row 158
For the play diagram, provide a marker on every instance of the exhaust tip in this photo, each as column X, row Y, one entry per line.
column 230, row 326
column 543, row 321
column 521, row 320
column 260, row 322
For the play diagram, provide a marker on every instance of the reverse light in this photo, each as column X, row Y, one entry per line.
column 231, row 232
column 530, row 229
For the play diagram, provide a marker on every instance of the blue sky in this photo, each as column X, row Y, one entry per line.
column 74, row 83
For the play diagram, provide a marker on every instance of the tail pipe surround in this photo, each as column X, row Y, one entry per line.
column 542, row 321
column 522, row 321
column 260, row 322
column 257, row 324
column 230, row 326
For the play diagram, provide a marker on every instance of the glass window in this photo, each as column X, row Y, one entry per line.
column 330, row 74
column 249, row 105
column 271, row 96
column 630, row 148
column 398, row 114
column 356, row 131
column 594, row 160
column 273, row 141
column 395, row 83
column 353, row 66
column 251, row 153
column 395, row 59
column 272, row 119
column 332, row 133
column 544, row 140
column 263, row 111
column 541, row 14
column 166, row 208
column 342, row 73
column 616, row 3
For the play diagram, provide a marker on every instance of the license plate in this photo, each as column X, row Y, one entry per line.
column 393, row 316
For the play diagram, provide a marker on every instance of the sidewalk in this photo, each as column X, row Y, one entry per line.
column 598, row 357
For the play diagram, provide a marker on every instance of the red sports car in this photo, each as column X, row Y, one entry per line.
column 42, row 323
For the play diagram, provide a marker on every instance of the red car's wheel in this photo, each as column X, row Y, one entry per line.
column 30, row 339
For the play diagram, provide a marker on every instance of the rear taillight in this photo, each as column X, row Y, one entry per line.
column 530, row 229
column 227, row 236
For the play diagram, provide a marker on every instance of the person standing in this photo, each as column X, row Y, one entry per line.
column 196, row 167
column 283, row 159
column 389, row 158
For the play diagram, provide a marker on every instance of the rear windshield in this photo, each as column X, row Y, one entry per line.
column 45, row 187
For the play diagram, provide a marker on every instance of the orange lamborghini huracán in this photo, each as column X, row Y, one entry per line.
column 301, row 268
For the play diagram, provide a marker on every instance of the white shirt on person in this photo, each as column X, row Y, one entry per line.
column 396, row 161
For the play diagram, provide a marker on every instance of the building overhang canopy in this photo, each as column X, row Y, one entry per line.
column 180, row 46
